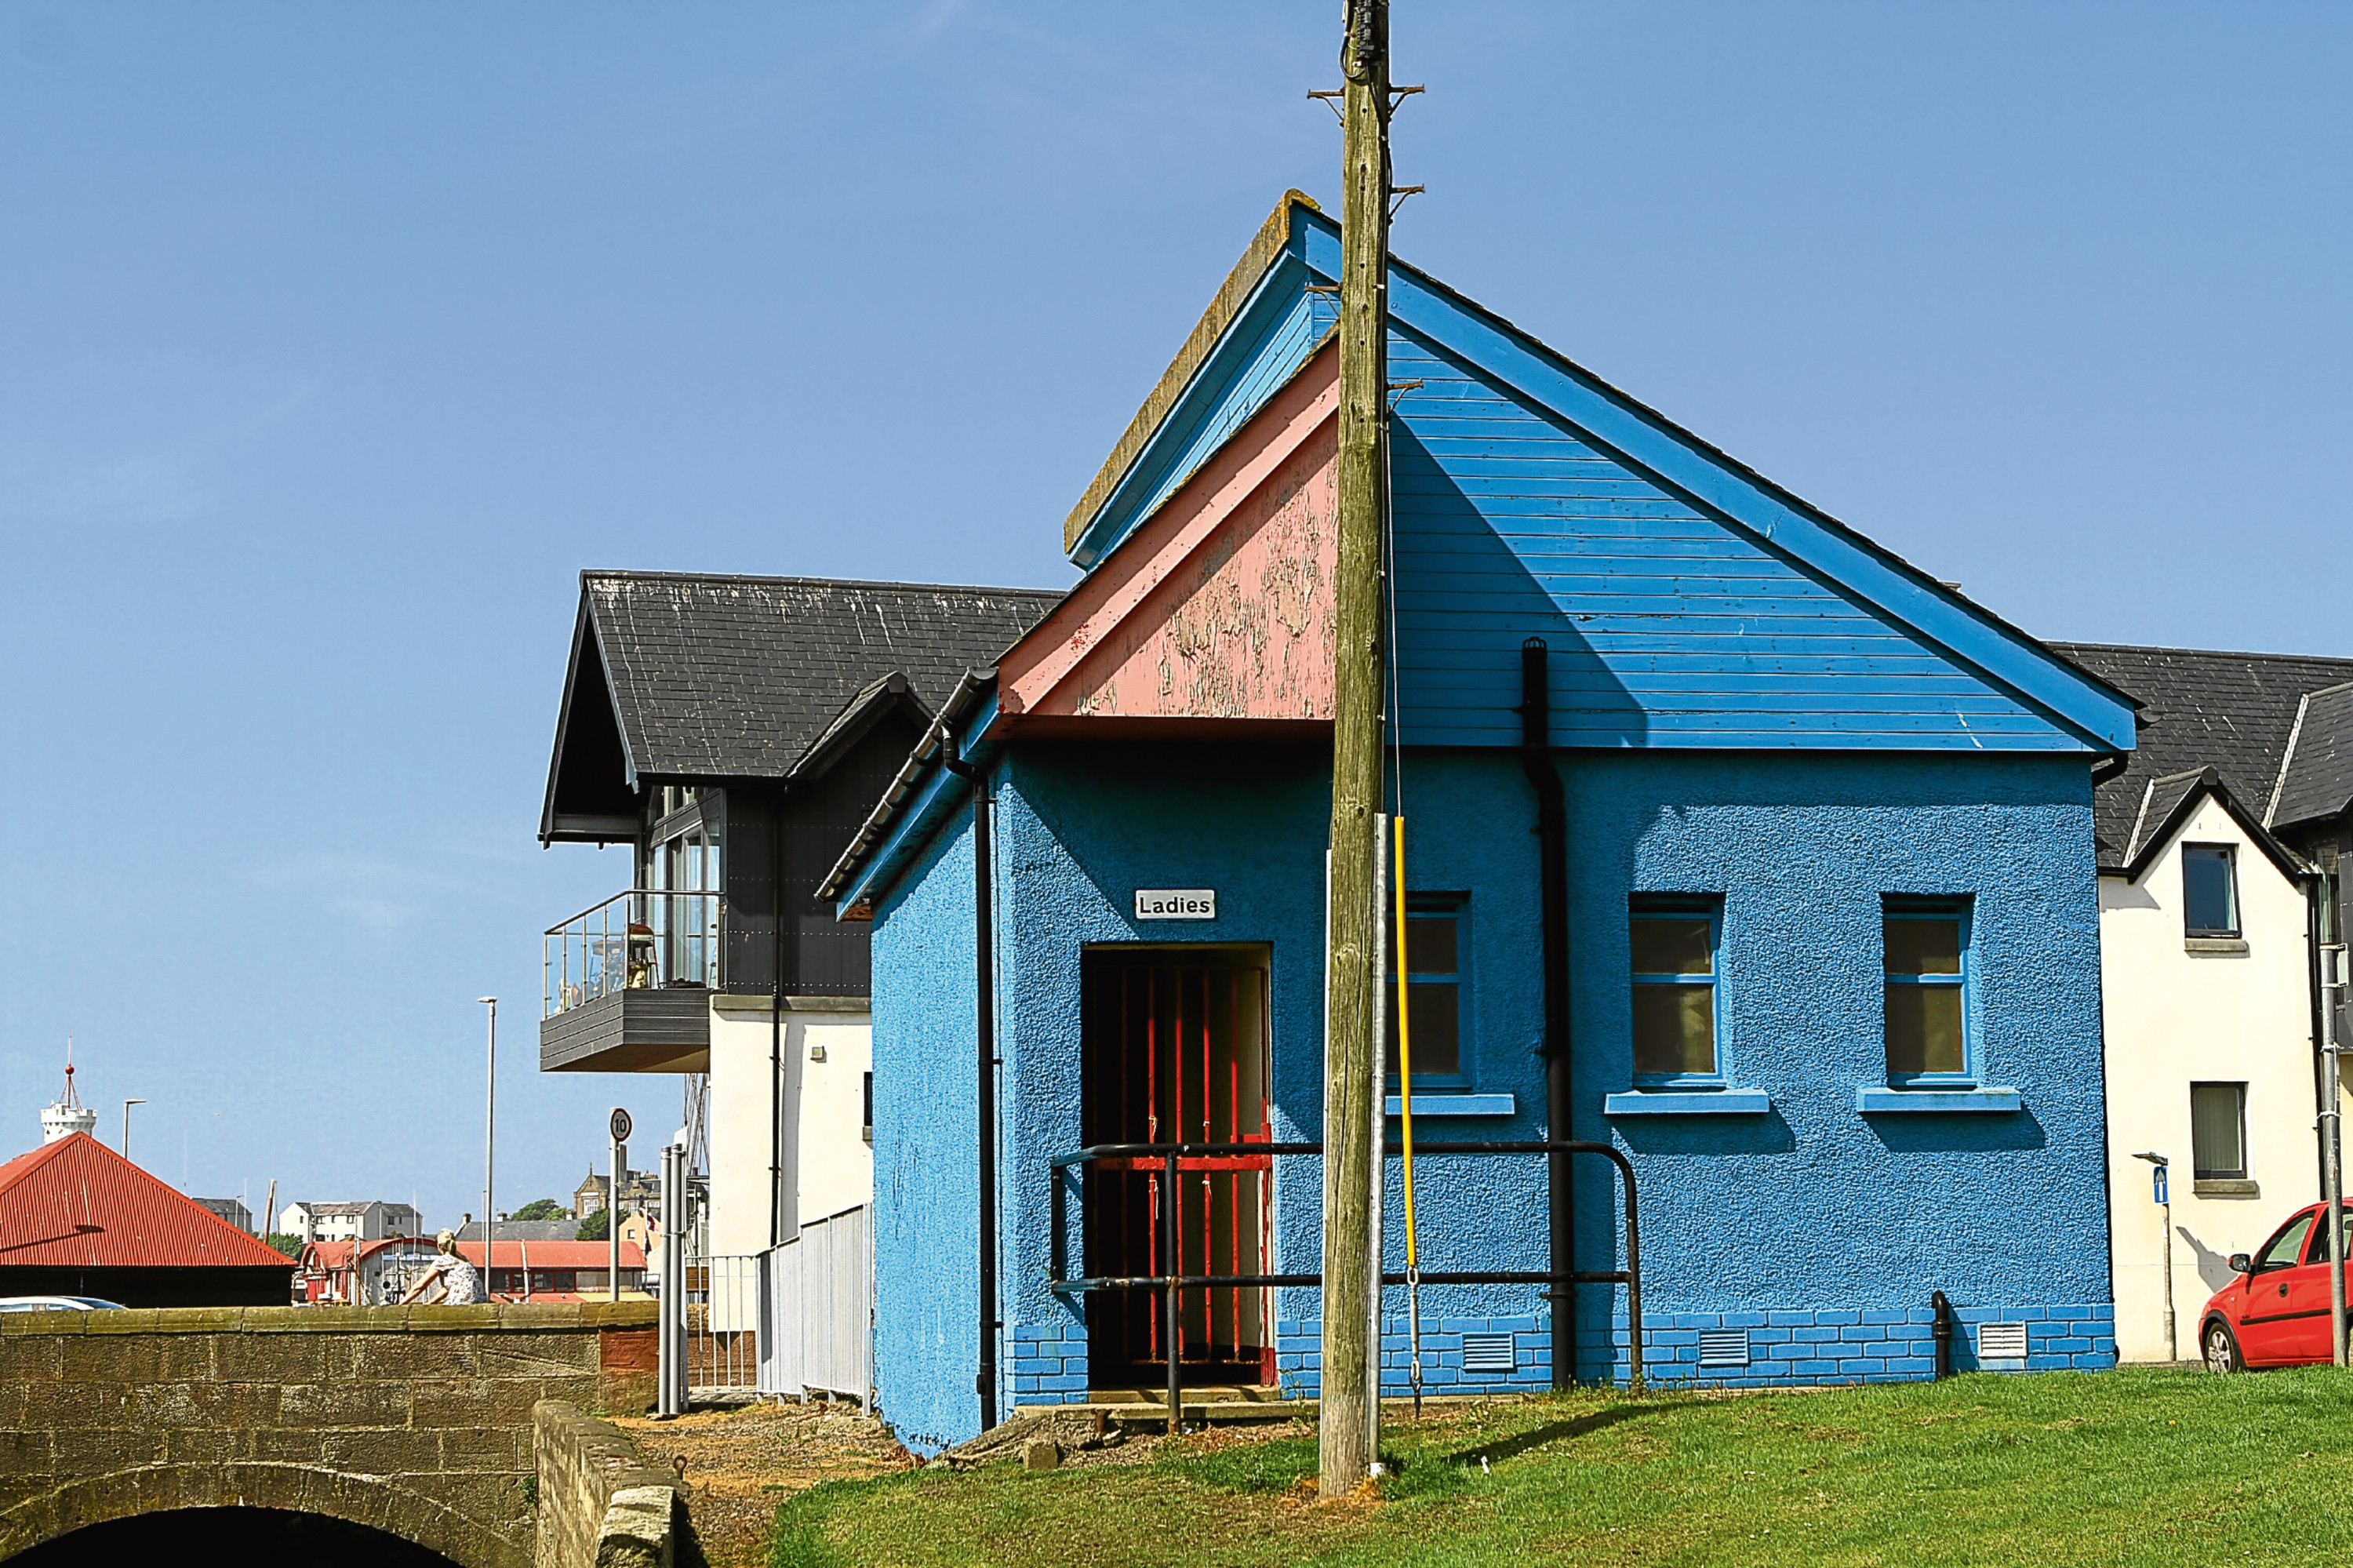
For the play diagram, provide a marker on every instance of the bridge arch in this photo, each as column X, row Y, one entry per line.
column 372, row 1501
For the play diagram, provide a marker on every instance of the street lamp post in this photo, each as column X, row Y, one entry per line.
column 126, row 1125
column 2165, row 1209
column 490, row 1144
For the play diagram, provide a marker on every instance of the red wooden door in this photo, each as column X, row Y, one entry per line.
column 1175, row 1050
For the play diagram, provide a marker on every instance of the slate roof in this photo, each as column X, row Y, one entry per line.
column 740, row 677
column 344, row 1211
column 76, row 1204
column 2233, row 712
column 2317, row 780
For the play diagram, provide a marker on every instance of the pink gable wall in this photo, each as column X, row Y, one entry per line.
column 1219, row 608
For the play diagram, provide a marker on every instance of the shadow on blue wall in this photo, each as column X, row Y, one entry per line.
column 1911, row 1132
column 1466, row 600
column 1709, row 1135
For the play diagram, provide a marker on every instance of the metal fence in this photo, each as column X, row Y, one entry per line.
column 722, row 1321
column 816, row 1310
column 637, row 940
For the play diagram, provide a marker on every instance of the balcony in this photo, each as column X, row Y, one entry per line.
column 627, row 985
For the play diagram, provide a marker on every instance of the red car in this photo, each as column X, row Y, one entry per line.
column 2275, row 1313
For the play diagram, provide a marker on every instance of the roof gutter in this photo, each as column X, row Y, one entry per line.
column 928, row 752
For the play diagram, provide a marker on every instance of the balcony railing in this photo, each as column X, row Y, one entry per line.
column 639, row 940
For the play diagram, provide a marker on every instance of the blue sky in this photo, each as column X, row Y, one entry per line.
column 335, row 341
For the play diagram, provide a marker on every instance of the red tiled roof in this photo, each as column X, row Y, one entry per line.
column 76, row 1204
column 554, row 1254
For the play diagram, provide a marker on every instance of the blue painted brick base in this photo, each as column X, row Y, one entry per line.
column 1799, row 1347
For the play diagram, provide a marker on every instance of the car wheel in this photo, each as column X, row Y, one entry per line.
column 2223, row 1350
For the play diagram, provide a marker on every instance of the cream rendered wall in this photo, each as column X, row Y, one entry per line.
column 836, row 1164
column 826, row 1049
column 2174, row 1017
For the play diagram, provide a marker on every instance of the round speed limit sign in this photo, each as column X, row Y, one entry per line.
column 621, row 1125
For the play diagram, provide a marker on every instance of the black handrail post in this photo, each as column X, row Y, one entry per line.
column 1169, row 1256
column 1170, row 1282
column 1057, row 1254
column 1633, row 1281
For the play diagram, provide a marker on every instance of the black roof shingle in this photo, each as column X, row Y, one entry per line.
column 717, row 677
column 2317, row 780
column 2232, row 712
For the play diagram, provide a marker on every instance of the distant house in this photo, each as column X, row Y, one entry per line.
column 379, row 1273
column 2219, row 848
column 233, row 1209
column 371, row 1220
column 524, row 1230
column 640, row 1191
column 731, row 733
column 555, row 1270
column 78, row 1219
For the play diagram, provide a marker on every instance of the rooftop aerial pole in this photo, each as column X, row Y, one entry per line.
column 1345, row 1434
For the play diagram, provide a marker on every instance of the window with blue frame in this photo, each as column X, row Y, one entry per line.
column 1436, row 987
column 1925, row 959
column 1673, row 942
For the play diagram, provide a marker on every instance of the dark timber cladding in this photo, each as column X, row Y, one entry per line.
column 784, row 704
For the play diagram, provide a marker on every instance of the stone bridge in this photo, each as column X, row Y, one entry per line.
column 417, row 1421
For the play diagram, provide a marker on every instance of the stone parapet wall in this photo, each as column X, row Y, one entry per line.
column 600, row 1505
column 416, row 1420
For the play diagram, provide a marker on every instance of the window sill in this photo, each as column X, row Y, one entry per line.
column 2216, row 946
column 1428, row 1103
column 1872, row 1099
column 2224, row 1187
column 1697, row 1102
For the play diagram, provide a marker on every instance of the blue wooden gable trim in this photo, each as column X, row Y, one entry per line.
column 1669, row 626
column 1271, row 337
column 2055, row 705
column 940, row 796
column 1688, row 601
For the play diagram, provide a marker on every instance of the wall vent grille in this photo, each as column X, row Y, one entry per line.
column 1487, row 1352
column 1724, row 1347
column 2001, row 1341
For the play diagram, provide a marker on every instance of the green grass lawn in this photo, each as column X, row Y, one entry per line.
column 2135, row 1466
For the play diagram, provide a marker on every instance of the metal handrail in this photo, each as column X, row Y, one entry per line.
column 1171, row 1281
column 557, row 929
column 680, row 941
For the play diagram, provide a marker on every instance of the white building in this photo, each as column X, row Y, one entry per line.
column 2218, row 851
column 734, row 732
column 372, row 1220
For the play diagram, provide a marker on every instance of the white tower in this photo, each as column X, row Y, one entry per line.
column 68, row 1115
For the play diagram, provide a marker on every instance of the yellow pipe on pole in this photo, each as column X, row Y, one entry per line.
column 1405, row 1106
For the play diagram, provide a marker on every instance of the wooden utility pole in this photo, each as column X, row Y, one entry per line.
column 1346, row 1426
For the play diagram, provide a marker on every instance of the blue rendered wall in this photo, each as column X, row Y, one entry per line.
column 1813, row 1210
column 1815, row 1206
column 926, row 1227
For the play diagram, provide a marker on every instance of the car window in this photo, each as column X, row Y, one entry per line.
column 2319, row 1253
column 2286, row 1247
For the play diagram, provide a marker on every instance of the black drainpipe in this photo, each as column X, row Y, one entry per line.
column 1552, row 880
column 777, row 1025
column 984, row 1093
column 1941, row 1332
